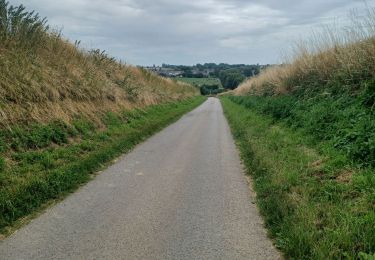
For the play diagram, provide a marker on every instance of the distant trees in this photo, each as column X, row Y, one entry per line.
column 210, row 89
column 230, row 75
column 231, row 78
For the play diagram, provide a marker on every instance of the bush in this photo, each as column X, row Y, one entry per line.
column 210, row 89
column 231, row 78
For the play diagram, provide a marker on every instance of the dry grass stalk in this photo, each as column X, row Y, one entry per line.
column 345, row 56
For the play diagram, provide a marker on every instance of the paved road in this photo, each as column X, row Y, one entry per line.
column 180, row 195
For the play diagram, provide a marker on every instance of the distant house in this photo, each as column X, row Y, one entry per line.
column 166, row 72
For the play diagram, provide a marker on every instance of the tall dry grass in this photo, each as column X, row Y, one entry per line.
column 342, row 57
column 44, row 77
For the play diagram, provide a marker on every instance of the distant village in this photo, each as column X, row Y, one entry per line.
column 177, row 72
column 204, row 70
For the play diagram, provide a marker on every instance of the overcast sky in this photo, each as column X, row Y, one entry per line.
column 146, row 32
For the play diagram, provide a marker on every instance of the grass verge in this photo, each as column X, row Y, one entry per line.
column 316, row 202
column 53, row 160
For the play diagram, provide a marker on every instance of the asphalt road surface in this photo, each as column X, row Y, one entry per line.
column 181, row 194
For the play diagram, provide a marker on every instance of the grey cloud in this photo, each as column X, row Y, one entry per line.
column 186, row 32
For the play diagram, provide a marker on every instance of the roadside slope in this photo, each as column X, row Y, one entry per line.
column 306, row 130
column 316, row 203
column 44, row 77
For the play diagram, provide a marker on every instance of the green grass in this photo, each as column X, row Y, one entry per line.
column 317, row 200
column 41, row 163
column 342, row 120
column 199, row 82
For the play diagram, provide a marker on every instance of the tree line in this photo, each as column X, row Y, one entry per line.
column 230, row 75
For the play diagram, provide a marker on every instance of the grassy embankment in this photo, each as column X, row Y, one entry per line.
column 65, row 111
column 306, row 131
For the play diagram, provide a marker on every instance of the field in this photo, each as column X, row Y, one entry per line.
column 199, row 82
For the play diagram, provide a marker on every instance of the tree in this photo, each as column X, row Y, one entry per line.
column 210, row 89
column 231, row 78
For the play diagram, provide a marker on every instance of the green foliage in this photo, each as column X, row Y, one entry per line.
column 211, row 89
column 207, row 86
column 2, row 144
column 130, row 115
column 316, row 204
column 2, row 164
column 214, row 70
column 345, row 121
column 112, row 119
column 82, row 126
column 364, row 256
column 37, row 136
column 231, row 78
column 39, row 175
